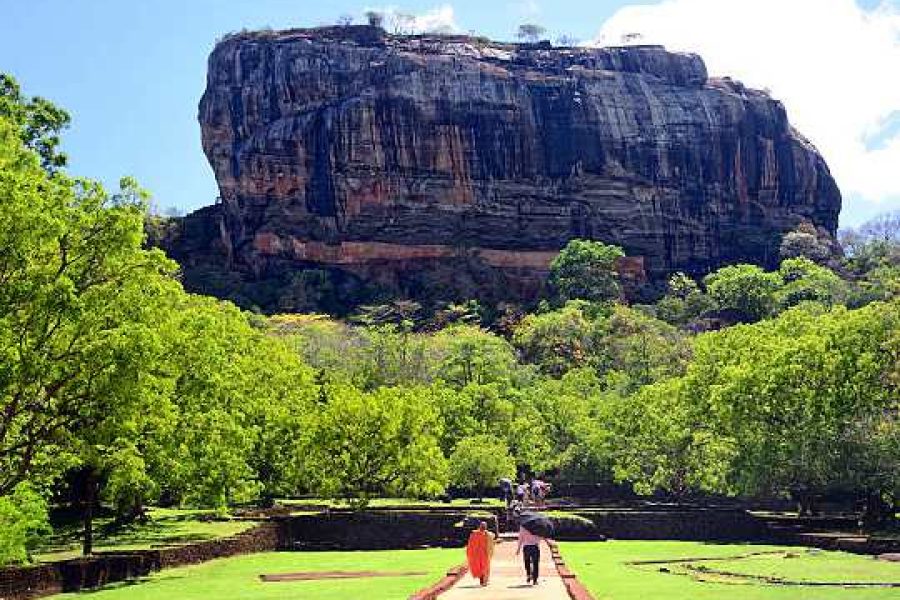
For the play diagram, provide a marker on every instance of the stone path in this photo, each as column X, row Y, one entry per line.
column 508, row 579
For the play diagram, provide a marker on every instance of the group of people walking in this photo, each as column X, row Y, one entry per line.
column 533, row 492
column 480, row 550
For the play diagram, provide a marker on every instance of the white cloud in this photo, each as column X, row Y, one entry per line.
column 439, row 19
column 835, row 65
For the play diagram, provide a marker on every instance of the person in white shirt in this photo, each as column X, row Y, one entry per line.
column 530, row 547
column 521, row 491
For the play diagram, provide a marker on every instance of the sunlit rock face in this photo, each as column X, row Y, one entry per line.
column 446, row 167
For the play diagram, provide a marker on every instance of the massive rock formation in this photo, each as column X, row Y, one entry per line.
column 446, row 167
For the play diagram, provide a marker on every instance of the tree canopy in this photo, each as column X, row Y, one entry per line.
column 478, row 462
column 586, row 270
column 118, row 387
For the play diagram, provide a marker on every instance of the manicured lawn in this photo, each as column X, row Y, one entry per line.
column 166, row 527
column 813, row 565
column 602, row 567
column 238, row 578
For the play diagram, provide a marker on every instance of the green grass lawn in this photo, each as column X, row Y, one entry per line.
column 238, row 578
column 166, row 527
column 603, row 568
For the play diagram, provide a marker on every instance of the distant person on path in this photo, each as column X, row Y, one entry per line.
column 536, row 485
column 506, row 488
column 521, row 491
column 478, row 553
column 542, row 489
column 530, row 547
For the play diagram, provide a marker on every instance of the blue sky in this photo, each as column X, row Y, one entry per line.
column 131, row 73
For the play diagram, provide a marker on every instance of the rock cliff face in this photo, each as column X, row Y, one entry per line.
column 442, row 167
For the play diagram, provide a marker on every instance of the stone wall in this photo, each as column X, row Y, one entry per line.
column 673, row 524
column 378, row 530
column 25, row 583
column 264, row 538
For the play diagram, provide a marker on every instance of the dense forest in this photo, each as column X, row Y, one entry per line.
column 118, row 387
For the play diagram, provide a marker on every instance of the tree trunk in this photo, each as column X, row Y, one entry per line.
column 89, row 502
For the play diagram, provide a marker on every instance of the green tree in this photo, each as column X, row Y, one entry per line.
column 491, row 406
column 640, row 348
column 23, row 518
column 788, row 391
column 479, row 462
column 77, row 308
column 805, row 281
column 684, row 302
column 555, row 415
column 471, row 355
column 586, row 270
column 745, row 291
column 383, row 442
column 37, row 121
column 240, row 409
column 558, row 340
column 661, row 440
column 589, row 459
column 457, row 414
column 873, row 465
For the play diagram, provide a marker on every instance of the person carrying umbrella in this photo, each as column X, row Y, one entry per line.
column 479, row 551
column 533, row 528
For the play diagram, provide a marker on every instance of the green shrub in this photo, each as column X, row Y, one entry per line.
column 23, row 519
column 561, row 518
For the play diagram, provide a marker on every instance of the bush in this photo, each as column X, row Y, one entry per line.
column 568, row 526
column 23, row 519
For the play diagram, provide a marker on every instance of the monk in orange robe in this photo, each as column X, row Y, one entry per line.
column 479, row 551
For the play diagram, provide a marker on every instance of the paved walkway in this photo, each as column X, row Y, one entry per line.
column 508, row 579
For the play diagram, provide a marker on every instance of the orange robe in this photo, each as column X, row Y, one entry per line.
column 478, row 552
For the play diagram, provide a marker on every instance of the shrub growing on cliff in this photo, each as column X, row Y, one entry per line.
column 375, row 18
column 804, row 242
column 530, row 32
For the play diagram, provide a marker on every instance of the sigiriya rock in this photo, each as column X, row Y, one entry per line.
column 358, row 165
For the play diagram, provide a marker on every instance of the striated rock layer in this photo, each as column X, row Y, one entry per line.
column 445, row 167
